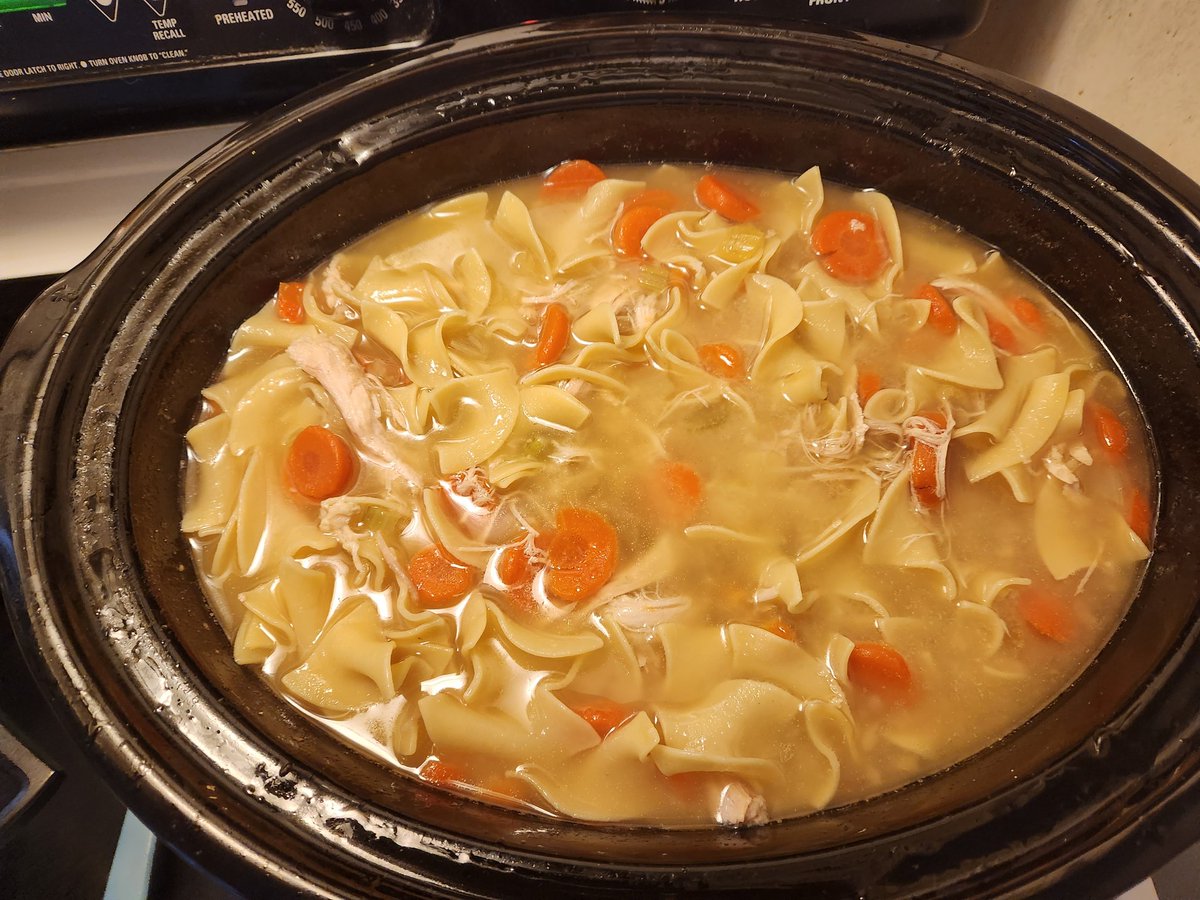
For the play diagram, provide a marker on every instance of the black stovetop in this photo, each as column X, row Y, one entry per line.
column 64, row 847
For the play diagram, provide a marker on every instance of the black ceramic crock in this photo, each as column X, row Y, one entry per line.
column 99, row 384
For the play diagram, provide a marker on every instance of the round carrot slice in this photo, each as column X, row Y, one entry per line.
column 1047, row 613
column 1027, row 313
column 513, row 566
column 713, row 193
column 659, row 197
column 781, row 628
column 879, row 668
column 583, row 554
column 440, row 579
column 319, row 464
column 631, row 227
column 435, row 771
column 722, row 360
column 1001, row 335
column 554, row 334
column 1109, row 431
column 850, row 246
column 571, row 179
column 602, row 714
column 1138, row 514
column 941, row 313
column 869, row 384
column 676, row 490
column 924, row 466
column 289, row 302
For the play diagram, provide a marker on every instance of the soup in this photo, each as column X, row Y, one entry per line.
column 664, row 495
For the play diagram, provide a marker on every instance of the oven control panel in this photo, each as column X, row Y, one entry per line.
column 45, row 42
column 76, row 69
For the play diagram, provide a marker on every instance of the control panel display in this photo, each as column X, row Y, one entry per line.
column 29, row 5
column 55, row 41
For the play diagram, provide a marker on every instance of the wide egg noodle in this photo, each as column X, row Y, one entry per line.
column 442, row 526
column 253, row 643
column 292, row 607
column 547, row 730
column 1074, row 532
column 616, row 673
column 792, row 205
column 268, row 524
column 969, row 359
column 280, row 405
column 1037, row 420
column 350, row 666
column 216, row 479
column 780, row 582
column 900, row 536
column 1018, row 373
column 759, row 655
column 817, row 284
column 885, row 214
column 613, row 781
column 474, row 283
column 478, row 414
column 834, row 509
column 823, row 331
column 514, row 224
column 550, row 405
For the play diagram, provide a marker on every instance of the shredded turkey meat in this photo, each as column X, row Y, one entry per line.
column 361, row 398
column 739, row 807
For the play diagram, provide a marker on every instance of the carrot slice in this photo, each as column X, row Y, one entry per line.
column 435, row 771
column 554, row 334
column 781, row 628
column 631, row 227
column 289, row 302
column 659, row 197
column 514, row 566
column 676, row 490
column 603, row 715
column 924, row 467
column 1027, row 313
column 1137, row 515
column 571, row 179
column 869, row 384
column 722, row 360
column 440, row 579
column 319, row 464
column 879, row 668
column 713, row 193
column 850, row 247
column 583, row 554
column 1109, row 431
column 941, row 313
column 1001, row 335
column 517, row 571
column 1047, row 614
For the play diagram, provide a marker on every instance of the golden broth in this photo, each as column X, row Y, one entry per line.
column 757, row 431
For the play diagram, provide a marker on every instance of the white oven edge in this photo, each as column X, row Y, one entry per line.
column 59, row 201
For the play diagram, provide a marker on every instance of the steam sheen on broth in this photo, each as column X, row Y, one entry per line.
column 665, row 495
